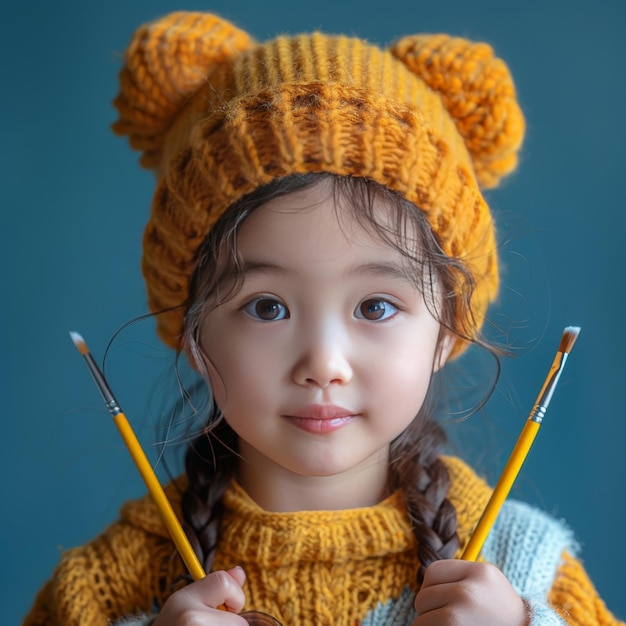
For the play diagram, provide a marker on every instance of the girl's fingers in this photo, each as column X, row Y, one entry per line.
column 238, row 574
column 457, row 592
column 440, row 580
column 435, row 598
column 446, row 571
column 219, row 589
column 200, row 602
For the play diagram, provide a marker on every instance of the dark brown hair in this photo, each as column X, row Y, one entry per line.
column 415, row 463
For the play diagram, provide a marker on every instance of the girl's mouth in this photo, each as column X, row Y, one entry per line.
column 320, row 426
column 321, row 418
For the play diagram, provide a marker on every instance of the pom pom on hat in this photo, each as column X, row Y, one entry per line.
column 166, row 62
column 478, row 92
column 216, row 115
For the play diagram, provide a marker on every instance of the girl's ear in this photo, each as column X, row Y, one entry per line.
column 197, row 358
column 446, row 343
column 201, row 362
column 194, row 355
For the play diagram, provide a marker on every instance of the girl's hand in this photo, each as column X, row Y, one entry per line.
column 462, row 592
column 196, row 604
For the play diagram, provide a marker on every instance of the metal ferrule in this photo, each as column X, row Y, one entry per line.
column 549, row 385
column 107, row 395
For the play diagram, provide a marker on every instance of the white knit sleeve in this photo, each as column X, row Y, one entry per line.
column 543, row 615
column 527, row 545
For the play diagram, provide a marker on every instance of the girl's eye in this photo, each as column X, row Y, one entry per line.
column 375, row 310
column 266, row 310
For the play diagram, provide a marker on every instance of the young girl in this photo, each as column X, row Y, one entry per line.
column 319, row 248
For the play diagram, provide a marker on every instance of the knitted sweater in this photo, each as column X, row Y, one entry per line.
column 316, row 568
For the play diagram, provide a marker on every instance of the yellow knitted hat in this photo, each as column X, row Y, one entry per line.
column 217, row 114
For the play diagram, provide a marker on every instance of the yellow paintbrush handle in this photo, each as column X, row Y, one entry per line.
column 154, row 487
column 501, row 491
column 522, row 446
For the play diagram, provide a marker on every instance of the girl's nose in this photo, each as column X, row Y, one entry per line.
column 322, row 363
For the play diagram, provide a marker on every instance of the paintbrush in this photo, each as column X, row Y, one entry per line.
column 522, row 447
column 143, row 465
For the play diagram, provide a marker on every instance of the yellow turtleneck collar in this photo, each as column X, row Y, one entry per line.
column 317, row 567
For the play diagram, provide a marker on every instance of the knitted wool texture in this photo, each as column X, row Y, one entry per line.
column 310, row 568
column 354, row 559
column 216, row 114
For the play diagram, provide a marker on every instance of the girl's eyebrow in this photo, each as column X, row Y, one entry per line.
column 384, row 269
column 251, row 267
column 257, row 266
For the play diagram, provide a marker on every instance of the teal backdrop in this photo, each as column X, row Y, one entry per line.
column 74, row 202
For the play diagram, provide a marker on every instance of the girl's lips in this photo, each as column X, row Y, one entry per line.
column 320, row 426
column 321, row 412
column 321, row 418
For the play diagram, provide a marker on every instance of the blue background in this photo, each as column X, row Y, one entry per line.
column 74, row 202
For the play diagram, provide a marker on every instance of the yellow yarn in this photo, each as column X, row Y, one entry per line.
column 315, row 568
column 348, row 561
column 477, row 91
column 217, row 114
column 575, row 598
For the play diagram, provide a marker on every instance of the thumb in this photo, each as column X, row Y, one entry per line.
column 237, row 574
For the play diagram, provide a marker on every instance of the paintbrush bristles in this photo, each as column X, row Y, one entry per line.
column 570, row 334
column 79, row 342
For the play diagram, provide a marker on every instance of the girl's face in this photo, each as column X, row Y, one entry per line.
column 326, row 352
